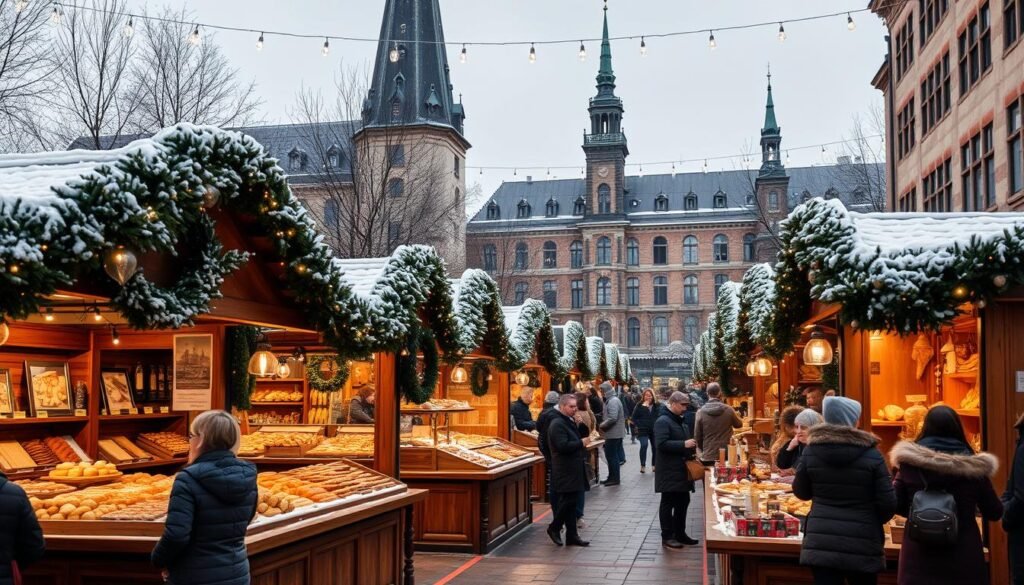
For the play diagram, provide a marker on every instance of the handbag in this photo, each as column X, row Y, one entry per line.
column 694, row 470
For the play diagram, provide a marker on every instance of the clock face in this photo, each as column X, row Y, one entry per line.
column 602, row 171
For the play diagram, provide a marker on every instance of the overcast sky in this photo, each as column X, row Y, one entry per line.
column 682, row 101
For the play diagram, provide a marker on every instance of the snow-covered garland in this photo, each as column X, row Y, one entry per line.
column 727, row 326
column 697, row 364
column 595, row 357
column 533, row 334
column 611, row 360
column 478, row 313
column 575, row 351
column 757, row 308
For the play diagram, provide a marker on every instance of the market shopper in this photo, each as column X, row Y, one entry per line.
column 568, row 473
column 212, row 502
column 788, row 456
column 785, row 434
column 613, row 429
column 643, row 417
column 674, row 445
column 714, row 424
column 1013, row 507
column 595, row 402
column 585, row 421
column 21, row 539
column 547, row 414
column 521, row 415
column 628, row 404
column 845, row 476
column 360, row 410
column 941, row 459
column 813, row 396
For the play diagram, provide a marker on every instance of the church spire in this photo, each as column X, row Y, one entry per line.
column 605, row 75
column 769, row 109
column 771, row 138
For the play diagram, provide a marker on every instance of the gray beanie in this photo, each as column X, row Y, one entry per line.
column 607, row 387
column 808, row 418
column 840, row 410
column 551, row 398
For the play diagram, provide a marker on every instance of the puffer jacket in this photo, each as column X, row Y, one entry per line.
column 947, row 465
column 360, row 412
column 21, row 539
column 212, row 502
column 713, row 428
column 842, row 472
column 644, row 417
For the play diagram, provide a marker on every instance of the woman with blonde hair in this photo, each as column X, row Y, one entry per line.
column 212, row 502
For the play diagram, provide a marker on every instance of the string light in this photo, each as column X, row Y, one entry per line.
column 393, row 54
column 462, row 55
column 712, row 44
column 129, row 29
column 583, row 52
column 643, row 47
column 533, row 54
column 673, row 169
column 705, row 166
column 115, row 338
column 49, row 314
column 641, row 171
column 327, row 47
column 850, row 25
column 96, row 315
column 259, row 43
column 56, row 16
column 194, row 39
column 782, row 33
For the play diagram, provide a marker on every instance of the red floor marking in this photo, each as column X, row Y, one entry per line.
column 542, row 516
column 465, row 566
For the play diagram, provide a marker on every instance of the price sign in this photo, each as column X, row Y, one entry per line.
column 42, row 414
column 19, row 414
column 147, row 410
column 125, row 411
column 81, row 412
column 165, row 410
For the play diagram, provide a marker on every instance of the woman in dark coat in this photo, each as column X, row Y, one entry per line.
column 842, row 472
column 643, row 417
column 212, row 502
column 674, row 444
column 21, row 539
column 1013, row 508
column 942, row 459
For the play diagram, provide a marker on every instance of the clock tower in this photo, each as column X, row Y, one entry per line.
column 605, row 145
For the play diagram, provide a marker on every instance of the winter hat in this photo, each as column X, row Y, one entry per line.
column 840, row 410
column 607, row 387
column 551, row 398
column 807, row 418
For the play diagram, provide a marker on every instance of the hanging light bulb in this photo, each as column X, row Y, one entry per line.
column 583, row 52
column 712, row 44
column 818, row 351
column 120, row 264
column 56, row 16
column 522, row 378
column 705, row 166
column 763, row 367
column 211, row 195
column 5, row 332
column 673, row 169
column 195, row 39
column 20, row 5
column 326, row 48
column 114, row 337
column 49, row 314
column 259, row 43
column 459, row 375
column 751, row 369
column 463, row 57
column 129, row 29
column 533, row 54
column 263, row 363
column 782, row 33
column 850, row 25
column 393, row 53
column 96, row 315
column 643, row 47
column 283, row 369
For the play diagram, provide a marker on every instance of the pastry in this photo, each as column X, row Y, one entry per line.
column 172, row 443
column 40, row 453
column 62, row 449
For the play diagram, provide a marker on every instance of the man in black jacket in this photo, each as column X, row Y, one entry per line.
column 21, row 539
column 629, row 404
column 674, row 446
column 547, row 414
column 568, row 473
column 521, row 415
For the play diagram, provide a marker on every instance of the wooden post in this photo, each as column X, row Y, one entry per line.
column 386, row 419
column 502, row 384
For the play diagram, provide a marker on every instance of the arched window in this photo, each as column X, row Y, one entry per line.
column 522, row 290
column 550, row 255
column 576, row 254
column 332, row 213
column 661, row 202
column 633, row 291
column 396, row 188
column 604, row 331
column 690, row 330
column 522, row 256
column 660, row 332
column 604, row 291
column 604, row 251
column 551, row 294
column 720, row 200
column 690, row 250
column 749, row 251
column 721, row 248
column 604, row 198
column 660, row 290
column 690, row 202
column 493, row 210
column 490, row 258
column 720, row 279
column 660, row 250
column 579, row 207
column 773, row 201
column 690, row 296
column 523, row 210
column 632, row 252
column 551, row 208
column 333, row 157
column 633, row 332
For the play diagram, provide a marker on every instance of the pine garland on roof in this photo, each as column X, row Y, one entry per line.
column 595, row 357
column 575, row 352
column 757, row 303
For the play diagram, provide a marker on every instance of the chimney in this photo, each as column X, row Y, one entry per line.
column 529, row 179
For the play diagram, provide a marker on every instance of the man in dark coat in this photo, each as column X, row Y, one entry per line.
column 21, row 539
column 521, row 415
column 548, row 413
column 674, row 446
column 628, row 403
column 842, row 472
column 568, row 473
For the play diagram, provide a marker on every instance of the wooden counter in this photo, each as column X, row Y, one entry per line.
column 365, row 543
column 472, row 511
column 539, row 485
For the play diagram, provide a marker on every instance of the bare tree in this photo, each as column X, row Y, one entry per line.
column 393, row 186
column 497, row 255
column 861, row 162
column 179, row 81
column 24, row 72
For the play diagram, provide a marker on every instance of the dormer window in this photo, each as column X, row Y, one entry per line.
column 690, row 202
column 720, row 200
column 333, row 157
column 493, row 210
column 297, row 160
column 551, row 209
column 661, row 202
column 579, row 207
column 523, row 210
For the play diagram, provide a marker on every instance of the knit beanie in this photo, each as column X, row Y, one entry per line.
column 808, row 418
column 552, row 397
column 607, row 387
column 840, row 410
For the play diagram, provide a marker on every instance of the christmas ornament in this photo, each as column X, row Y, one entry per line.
column 120, row 264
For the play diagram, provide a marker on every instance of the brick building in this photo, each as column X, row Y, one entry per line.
column 953, row 82
column 638, row 259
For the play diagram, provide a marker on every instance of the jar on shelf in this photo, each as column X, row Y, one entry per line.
column 913, row 416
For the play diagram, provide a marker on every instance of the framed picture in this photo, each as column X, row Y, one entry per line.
column 49, row 388
column 193, row 372
column 6, row 394
column 117, row 391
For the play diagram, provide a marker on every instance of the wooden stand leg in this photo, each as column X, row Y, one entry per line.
column 409, row 577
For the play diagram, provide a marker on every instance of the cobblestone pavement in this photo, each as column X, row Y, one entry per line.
column 625, row 544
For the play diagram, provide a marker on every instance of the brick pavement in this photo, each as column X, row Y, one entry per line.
column 625, row 544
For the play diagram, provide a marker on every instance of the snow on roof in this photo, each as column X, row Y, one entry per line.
column 898, row 232
column 595, row 350
column 362, row 274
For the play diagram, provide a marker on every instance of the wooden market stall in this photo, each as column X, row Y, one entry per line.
column 100, row 374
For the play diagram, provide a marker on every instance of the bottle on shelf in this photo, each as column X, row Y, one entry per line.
column 154, row 384
column 140, row 382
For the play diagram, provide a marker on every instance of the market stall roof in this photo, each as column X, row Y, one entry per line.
column 530, row 335
column 571, row 341
column 362, row 274
column 923, row 233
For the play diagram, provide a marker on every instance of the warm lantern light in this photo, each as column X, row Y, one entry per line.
column 5, row 332
column 818, row 351
column 49, row 314
column 211, row 195
column 283, row 369
column 120, row 264
column 263, row 363
column 751, row 369
column 522, row 378
column 114, row 337
column 459, row 375
column 763, row 367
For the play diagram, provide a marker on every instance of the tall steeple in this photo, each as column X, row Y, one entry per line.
column 411, row 84
column 771, row 138
column 605, row 75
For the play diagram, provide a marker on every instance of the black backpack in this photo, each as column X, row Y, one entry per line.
column 932, row 520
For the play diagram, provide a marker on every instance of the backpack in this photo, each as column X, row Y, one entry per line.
column 932, row 520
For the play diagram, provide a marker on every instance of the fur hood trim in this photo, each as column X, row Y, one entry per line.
column 976, row 466
column 840, row 435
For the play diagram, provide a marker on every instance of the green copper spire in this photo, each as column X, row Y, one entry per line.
column 770, row 125
column 605, row 75
column 771, row 140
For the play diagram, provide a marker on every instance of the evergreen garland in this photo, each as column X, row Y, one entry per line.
column 241, row 343
column 315, row 376
column 409, row 384
column 830, row 374
column 478, row 382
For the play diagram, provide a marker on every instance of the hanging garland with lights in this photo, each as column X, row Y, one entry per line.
column 416, row 389
column 480, row 377
column 314, row 372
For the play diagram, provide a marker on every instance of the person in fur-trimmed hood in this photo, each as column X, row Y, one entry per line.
column 842, row 472
column 941, row 458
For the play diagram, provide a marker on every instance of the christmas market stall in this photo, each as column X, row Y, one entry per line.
column 126, row 275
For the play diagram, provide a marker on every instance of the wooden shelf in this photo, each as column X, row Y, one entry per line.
column 887, row 423
column 43, row 421
column 154, row 416
column 971, row 412
column 276, row 403
column 153, row 463
column 289, row 380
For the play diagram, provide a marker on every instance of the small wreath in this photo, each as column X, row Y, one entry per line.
column 317, row 381
column 479, row 378
column 414, row 389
